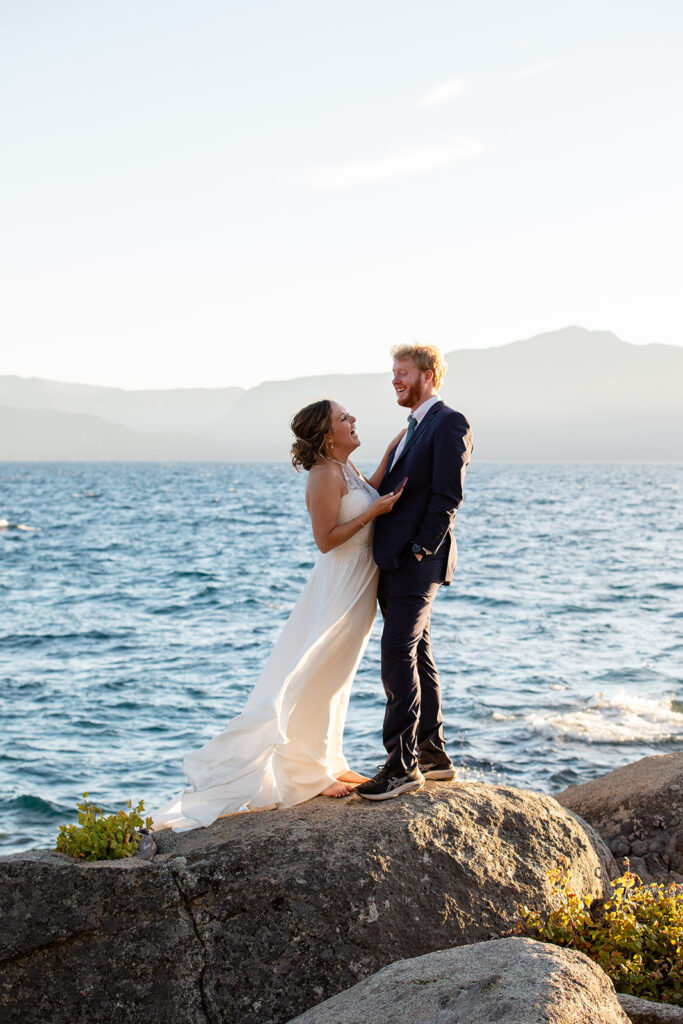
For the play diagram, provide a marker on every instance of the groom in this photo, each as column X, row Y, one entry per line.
column 415, row 550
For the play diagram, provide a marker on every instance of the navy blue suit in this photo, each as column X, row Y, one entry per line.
column 434, row 460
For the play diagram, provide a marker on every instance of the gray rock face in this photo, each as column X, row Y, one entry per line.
column 513, row 981
column 94, row 942
column 638, row 811
column 262, row 915
column 643, row 1011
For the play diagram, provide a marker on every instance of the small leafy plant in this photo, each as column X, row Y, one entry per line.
column 635, row 936
column 100, row 836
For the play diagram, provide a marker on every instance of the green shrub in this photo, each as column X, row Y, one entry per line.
column 102, row 837
column 636, row 935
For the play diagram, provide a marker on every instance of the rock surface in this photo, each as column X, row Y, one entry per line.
column 512, row 981
column 262, row 915
column 642, row 1011
column 638, row 811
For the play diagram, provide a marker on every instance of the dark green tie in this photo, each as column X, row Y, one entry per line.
column 412, row 423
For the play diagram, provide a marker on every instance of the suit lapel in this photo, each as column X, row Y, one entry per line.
column 419, row 432
column 391, row 458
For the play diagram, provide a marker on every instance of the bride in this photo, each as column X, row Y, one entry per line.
column 286, row 745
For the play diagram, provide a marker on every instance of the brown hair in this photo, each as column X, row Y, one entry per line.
column 311, row 426
column 425, row 357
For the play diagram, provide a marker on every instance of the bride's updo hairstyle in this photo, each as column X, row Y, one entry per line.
column 311, row 426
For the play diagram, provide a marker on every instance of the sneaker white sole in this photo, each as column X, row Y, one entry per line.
column 440, row 775
column 407, row 787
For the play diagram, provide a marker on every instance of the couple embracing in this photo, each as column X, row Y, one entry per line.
column 387, row 538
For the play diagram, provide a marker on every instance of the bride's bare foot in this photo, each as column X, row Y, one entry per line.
column 337, row 789
column 353, row 777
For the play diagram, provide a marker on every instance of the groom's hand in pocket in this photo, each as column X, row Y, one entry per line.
column 418, row 551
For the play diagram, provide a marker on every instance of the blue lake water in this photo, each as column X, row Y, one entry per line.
column 139, row 601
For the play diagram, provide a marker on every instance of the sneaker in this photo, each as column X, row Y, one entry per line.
column 437, row 767
column 387, row 784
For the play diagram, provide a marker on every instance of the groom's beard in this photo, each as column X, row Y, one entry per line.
column 411, row 397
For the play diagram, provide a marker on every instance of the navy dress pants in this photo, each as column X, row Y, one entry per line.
column 413, row 721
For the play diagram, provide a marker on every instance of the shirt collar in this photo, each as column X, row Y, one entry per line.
column 420, row 413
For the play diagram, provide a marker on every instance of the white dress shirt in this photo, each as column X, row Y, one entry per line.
column 418, row 415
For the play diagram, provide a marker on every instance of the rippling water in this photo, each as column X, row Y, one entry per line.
column 139, row 601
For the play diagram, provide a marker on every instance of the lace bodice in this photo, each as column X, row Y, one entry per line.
column 355, row 482
column 359, row 497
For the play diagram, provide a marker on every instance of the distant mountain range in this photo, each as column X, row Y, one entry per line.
column 571, row 394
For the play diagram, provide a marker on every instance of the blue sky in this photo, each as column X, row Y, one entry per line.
column 215, row 193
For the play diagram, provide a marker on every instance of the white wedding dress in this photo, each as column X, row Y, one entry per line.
column 286, row 745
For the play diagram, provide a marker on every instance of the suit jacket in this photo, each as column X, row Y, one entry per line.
column 434, row 460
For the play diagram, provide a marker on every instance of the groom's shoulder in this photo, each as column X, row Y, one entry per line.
column 453, row 417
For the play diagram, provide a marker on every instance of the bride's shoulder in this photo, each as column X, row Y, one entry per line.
column 322, row 476
column 321, row 469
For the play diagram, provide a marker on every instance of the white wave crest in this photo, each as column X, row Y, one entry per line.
column 617, row 718
column 5, row 524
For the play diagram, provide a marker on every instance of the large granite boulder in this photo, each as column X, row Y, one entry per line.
column 262, row 915
column 512, row 981
column 638, row 810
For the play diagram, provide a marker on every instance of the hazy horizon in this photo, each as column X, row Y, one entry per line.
column 564, row 395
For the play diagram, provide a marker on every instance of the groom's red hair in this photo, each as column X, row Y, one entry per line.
column 425, row 357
